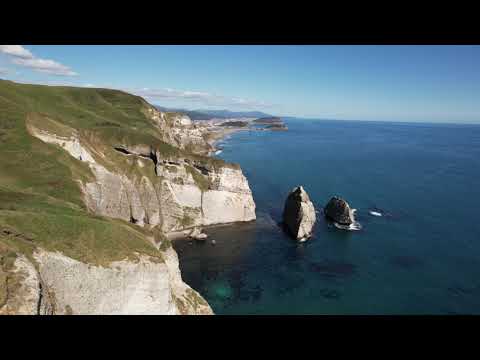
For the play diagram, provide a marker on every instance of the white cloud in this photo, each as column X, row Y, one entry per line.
column 45, row 66
column 23, row 57
column 199, row 97
column 194, row 98
column 3, row 71
column 17, row 51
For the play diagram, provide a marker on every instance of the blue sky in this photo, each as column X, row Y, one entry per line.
column 391, row 83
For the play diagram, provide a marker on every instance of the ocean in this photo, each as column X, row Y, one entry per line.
column 422, row 256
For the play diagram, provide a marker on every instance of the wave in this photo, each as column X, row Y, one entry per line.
column 375, row 213
column 218, row 152
column 355, row 226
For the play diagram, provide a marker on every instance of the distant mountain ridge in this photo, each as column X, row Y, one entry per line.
column 205, row 114
column 194, row 115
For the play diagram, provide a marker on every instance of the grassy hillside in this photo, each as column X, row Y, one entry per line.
column 40, row 199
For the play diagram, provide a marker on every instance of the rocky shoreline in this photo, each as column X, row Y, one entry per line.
column 122, row 184
column 215, row 134
column 136, row 179
column 217, row 130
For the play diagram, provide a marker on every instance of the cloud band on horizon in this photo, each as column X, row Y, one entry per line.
column 198, row 97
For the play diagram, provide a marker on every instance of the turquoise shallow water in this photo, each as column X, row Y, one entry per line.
column 422, row 257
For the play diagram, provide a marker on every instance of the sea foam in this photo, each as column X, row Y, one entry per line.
column 352, row 227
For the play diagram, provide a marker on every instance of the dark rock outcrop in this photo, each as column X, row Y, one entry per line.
column 299, row 214
column 198, row 234
column 339, row 211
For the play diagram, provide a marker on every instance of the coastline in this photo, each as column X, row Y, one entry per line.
column 182, row 235
column 219, row 134
column 339, row 271
column 216, row 134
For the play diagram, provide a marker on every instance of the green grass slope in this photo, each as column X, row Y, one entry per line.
column 40, row 199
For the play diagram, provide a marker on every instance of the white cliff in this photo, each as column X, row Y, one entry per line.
column 184, row 194
column 64, row 286
column 104, row 158
column 180, row 192
column 25, row 291
column 179, row 130
column 148, row 286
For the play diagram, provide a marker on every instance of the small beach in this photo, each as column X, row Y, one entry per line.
column 218, row 134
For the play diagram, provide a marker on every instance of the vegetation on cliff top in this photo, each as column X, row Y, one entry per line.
column 40, row 198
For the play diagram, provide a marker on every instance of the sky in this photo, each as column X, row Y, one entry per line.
column 386, row 83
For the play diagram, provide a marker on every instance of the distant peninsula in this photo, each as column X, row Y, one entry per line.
column 270, row 120
column 271, row 123
column 235, row 123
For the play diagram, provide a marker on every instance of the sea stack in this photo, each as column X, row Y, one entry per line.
column 339, row 211
column 299, row 214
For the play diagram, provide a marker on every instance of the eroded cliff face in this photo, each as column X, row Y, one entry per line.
column 146, row 185
column 96, row 156
column 201, row 195
column 185, row 192
column 23, row 291
column 179, row 130
column 60, row 285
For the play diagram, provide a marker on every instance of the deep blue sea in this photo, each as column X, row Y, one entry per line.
column 421, row 257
